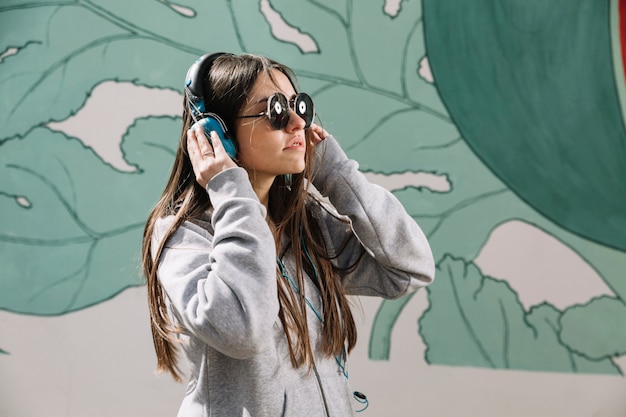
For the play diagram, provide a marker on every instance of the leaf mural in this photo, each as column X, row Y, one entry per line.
column 546, row 87
column 75, row 226
column 70, row 230
column 50, row 75
column 53, row 71
column 596, row 329
column 478, row 321
column 459, row 221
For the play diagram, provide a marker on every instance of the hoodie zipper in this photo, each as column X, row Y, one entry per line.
column 319, row 384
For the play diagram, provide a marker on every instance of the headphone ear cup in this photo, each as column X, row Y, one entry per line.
column 212, row 122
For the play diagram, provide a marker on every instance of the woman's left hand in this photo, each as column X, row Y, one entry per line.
column 319, row 134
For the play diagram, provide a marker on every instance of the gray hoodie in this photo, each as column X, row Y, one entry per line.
column 219, row 275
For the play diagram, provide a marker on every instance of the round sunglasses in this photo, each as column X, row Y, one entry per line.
column 278, row 110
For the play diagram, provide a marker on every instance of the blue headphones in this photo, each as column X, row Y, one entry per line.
column 194, row 88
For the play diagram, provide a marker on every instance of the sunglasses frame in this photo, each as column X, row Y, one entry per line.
column 291, row 105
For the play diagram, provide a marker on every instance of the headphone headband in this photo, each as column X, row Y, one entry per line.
column 194, row 81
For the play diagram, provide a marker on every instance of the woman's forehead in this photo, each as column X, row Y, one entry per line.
column 267, row 85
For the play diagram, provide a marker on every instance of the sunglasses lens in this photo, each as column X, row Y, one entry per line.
column 278, row 109
column 303, row 106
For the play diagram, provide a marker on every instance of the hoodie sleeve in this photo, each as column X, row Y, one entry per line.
column 397, row 258
column 222, row 286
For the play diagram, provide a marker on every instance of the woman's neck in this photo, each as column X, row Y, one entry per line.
column 261, row 187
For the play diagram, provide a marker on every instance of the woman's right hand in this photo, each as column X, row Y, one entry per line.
column 207, row 158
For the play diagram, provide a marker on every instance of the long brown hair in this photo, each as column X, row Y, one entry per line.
column 230, row 79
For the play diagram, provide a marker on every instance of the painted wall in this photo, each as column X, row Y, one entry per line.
column 498, row 124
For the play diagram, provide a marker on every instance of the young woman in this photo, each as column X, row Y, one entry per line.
column 249, row 260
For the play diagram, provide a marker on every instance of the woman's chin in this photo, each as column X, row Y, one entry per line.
column 296, row 170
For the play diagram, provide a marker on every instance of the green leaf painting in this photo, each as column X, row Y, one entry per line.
column 389, row 83
column 596, row 329
column 75, row 230
column 552, row 96
column 487, row 327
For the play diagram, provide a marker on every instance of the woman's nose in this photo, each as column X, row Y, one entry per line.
column 295, row 121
